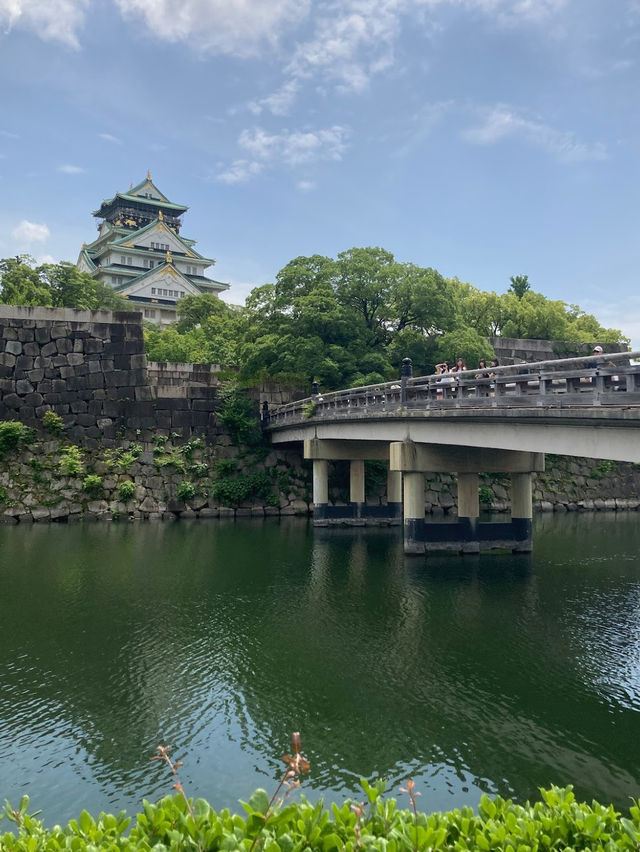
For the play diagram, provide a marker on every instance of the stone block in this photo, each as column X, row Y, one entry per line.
column 35, row 375
column 49, row 349
column 42, row 335
column 10, row 333
column 40, row 515
column 78, row 345
column 74, row 359
column 23, row 386
column 26, row 335
column 7, row 359
column 31, row 349
column 92, row 346
column 64, row 345
column 14, row 347
column 33, row 399
column 59, row 331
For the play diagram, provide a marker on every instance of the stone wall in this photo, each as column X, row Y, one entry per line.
column 90, row 368
column 512, row 350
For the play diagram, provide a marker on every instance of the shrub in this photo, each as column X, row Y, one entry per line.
column 186, row 490
column 126, row 490
column 233, row 490
column 92, row 484
column 199, row 469
column 239, row 415
column 71, row 461
column 53, row 423
column 557, row 822
column 121, row 458
column 13, row 436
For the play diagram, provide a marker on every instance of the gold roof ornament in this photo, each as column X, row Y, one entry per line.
column 148, row 175
column 169, row 258
column 160, row 215
column 131, row 185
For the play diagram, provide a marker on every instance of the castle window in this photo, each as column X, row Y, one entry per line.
column 153, row 291
column 149, row 313
column 128, row 261
column 123, row 260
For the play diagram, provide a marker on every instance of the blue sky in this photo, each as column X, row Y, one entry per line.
column 484, row 138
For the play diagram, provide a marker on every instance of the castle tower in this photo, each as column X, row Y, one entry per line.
column 140, row 253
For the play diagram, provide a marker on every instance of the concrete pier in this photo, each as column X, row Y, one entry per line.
column 357, row 512
column 468, row 534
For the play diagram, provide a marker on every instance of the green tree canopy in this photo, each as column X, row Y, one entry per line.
column 57, row 285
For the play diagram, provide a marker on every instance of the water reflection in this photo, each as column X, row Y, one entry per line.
column 495, row 673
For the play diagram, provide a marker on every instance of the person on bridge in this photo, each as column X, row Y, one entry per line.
column 459, row 366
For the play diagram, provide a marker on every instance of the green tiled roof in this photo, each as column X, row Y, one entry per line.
column 137, row 199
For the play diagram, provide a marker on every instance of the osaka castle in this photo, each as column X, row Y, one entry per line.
column 141, row 254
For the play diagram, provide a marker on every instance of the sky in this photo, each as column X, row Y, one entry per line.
column 484, row 138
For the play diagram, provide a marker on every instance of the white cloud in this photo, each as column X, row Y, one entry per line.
column 30, row 232
column 296, row 147
column 503, row 122
column 107, row 137
column 240, row 171
column 71, row 170
column 5, row 134
column 305, row 185
column 289, row 148
column 51, row 20
column 278, row 103
column 229, row 27
column 45, row 258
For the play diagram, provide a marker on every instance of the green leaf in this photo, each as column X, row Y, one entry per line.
column 260, row 801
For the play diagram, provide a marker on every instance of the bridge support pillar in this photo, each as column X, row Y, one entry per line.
column 394, row 493
column 522, row 512
column 413, row 512
column 357, row 512
column 469, row 534
column 320, row 488
column 469, row 510
column 356, row 489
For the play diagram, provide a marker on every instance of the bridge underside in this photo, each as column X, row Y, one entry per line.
column 597, row 433
column 405, row 504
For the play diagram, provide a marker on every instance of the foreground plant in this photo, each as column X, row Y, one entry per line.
column 556, row 823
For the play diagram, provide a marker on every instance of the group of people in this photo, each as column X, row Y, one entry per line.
column 459, row 366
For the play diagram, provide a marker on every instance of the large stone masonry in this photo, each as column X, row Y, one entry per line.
column 90, row 368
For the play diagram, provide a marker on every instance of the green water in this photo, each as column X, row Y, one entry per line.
column 491, row 673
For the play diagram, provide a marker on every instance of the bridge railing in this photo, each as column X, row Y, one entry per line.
column 594, row 380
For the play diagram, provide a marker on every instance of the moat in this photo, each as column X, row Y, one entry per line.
column 496, row 673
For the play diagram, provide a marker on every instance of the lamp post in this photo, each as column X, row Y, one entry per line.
column 406, row 373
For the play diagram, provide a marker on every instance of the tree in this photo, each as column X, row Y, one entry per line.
column 58, row 285
column 464, row 343
column 195, row 310
column 20, row 283
column 519, row 285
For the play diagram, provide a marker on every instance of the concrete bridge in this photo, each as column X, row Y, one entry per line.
column 469, row 423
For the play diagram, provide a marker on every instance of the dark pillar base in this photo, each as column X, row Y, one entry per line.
column 468, row 535
column 357, row 515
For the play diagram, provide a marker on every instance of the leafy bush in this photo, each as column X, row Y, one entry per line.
column 126, row 490
column 53, row 423
column 92, row 484
column 233, row 490
column 239, row 415
column 71, row 461
column 186, row 490
column 13, row 436
column 121, row 458
column 199, row 469
column 557, row 822
column 485, row 495
column 171, row 460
